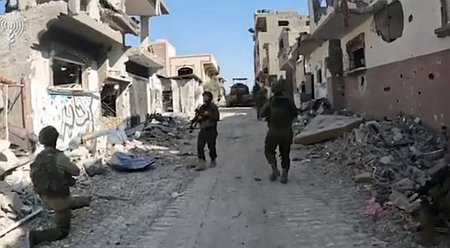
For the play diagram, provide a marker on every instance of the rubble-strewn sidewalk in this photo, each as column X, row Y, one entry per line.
column 128, row 168
column 389, row 159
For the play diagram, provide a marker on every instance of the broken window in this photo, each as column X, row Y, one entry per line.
column 320, row 8
column 389, row 22
column 445, row 9
column 281, row 44
column 108, row 100
column 323, row 3
column 356, row 52
column 84, row 5
column 261, row 24
column 319, row 76
column 444, row 30
column 283, row 23
column 185, row 71
column 66, row 73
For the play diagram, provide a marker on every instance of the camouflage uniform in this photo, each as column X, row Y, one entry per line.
column 280, row 111
column 208, row 133
column 439, row 203
column 260, row 101
column 63, row 203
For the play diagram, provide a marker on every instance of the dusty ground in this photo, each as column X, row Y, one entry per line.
column 234, row 204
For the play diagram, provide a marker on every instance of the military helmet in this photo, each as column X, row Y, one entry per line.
column 278, row 87
column 208, row 94
column 48, row 136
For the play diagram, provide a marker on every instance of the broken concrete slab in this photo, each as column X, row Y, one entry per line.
column 326, row 127
column 404, row 185
column 403, row 202
column 93, row 166
column 8, row 161
column 365, row 177
column 11, row 203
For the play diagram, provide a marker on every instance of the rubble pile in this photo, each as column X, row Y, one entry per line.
column 17, row 198
column 398, row 156
column 315, row 107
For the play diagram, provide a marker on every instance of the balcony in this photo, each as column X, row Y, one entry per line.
column 336, row 20
column 142, row 55
column 146, row 8
column 308, row 44
column 284, row 57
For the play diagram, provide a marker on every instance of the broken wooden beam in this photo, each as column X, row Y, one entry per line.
column 20, row 222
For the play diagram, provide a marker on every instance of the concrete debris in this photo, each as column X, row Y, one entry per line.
column 11, row 203
column 386, row 160
column 93, row 166
column 401, row 153
column 403, row 202
column 317, row 107
column 8, row 160
column 326, row 127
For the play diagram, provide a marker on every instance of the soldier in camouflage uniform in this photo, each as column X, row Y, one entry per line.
column 279, row 112
column 209, row 115
column 436, row 203
column 261, row 99
column 52, row 174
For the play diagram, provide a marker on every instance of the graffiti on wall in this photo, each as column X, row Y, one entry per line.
column 76, row 115
column 70, row 115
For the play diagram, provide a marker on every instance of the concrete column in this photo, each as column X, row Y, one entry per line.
column 145, row 27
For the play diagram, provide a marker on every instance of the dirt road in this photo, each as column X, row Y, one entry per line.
column 234, row 204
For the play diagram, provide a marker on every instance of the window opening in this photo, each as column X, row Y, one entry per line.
column 66, row 73
column 185, row 71
column 356, row 52
column 283, row 23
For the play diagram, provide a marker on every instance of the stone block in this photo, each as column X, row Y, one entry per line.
column 403, row 202
column 326, row 127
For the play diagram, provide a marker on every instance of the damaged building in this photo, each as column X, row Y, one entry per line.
column 65, row 55
column 184, row 78
column 380, row 57
column 266, row 34
column 288, row 58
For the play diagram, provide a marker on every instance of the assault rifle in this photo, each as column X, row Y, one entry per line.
column 198, row 112
column 437, row 178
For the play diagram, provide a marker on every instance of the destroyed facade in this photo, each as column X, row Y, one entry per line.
column 66, row 64
column 375, row 57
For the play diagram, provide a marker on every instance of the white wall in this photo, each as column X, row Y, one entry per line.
column 315, row 62
column 186, row 95
column 418, row 36
column 71, row 115
column 155, row 95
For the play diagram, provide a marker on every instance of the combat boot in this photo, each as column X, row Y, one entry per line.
column 213, row 164
column 201, row 165
column 284, row 176
column 275, row 173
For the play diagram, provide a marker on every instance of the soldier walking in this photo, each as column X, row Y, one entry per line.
column 52, row 174
column 261, row 99
column 207, row 118
column 279, row 112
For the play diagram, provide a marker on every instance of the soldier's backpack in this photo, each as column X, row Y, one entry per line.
column 45, row 176
column 280, row 116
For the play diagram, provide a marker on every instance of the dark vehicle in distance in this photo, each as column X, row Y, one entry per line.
column 240, row 95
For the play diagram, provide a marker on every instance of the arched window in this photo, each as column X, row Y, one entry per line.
column 185, row 71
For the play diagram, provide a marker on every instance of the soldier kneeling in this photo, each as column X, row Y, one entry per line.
column 52, row 174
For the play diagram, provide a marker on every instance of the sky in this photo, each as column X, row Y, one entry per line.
column 216, row 26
